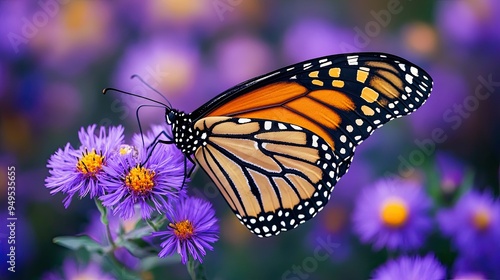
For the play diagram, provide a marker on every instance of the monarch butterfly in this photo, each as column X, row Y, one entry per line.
column 277, row 144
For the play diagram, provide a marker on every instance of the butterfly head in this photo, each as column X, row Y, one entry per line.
column 185, row 137
column 171, row 116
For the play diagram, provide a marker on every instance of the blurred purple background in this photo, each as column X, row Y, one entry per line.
column 57, row 55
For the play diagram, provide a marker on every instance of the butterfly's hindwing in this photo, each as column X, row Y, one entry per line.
column 276, row 177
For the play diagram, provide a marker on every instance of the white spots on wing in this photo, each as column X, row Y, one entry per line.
column 414, row 71
column 409, row 78
column 328, row 63
column 296, row 127
column 244, row 120
column 267, row 125
column 315, row 139
column 352, row 60
column 281, row 126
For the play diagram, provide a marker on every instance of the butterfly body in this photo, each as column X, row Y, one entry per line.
column 276, row 145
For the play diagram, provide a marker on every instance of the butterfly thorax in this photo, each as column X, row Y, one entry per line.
column 186, row 138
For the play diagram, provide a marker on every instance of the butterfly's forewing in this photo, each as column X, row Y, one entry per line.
column 340, row 98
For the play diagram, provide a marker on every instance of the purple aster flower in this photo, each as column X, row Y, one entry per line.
column 393, row 214
column 71, row 270
column 193, row 226
column 134, row 179
column 473, row 223
column 407, row 268
column 78, row 171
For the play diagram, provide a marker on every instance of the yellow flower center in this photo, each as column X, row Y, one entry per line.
column 394, row 212
column 140, row 180
column 481, row 219
column 183, row 230
column 90, row 163
column 76, row 14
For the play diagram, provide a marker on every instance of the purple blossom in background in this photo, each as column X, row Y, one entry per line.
column 80, row 33
column 410, row 268
column 71, row 270
column 450, row 88
column 78, row 171
column 257, row 60
column 478, row 22
column 171, row 65
column 192, row 228
column 473, row 224
column 310, row 38
column 393, row 214
column 451, row 172
column 131, row 180
column 484, row 266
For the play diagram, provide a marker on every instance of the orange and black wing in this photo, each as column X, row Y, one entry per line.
column 340, row 98
column 273, row 175
column 335, row 102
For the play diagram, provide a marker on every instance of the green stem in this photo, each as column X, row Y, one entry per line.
column 120, row 267
column 195, row 269
column 110, row 237
column 152, row 225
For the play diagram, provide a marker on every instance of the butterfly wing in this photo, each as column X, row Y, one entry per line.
column 273, row 175
column 336, row 101
column 341, row 98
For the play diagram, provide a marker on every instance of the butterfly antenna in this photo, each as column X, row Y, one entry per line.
column 104, row 91
column 150, row 87
column 138, row 119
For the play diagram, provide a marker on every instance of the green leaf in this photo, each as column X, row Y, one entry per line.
column 79, row 242
column 139, row 248
column 151, row 262
column 138, row 232
column 103, row 210
column 466, row 184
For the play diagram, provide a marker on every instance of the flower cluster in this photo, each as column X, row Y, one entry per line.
column 144, row 175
